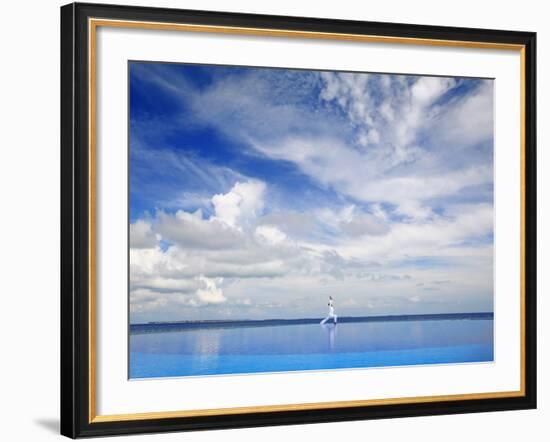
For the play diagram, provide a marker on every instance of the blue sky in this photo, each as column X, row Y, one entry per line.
column 257, row 193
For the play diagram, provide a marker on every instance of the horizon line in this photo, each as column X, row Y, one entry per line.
column 297, row 320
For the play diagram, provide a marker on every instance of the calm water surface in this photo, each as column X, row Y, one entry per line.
column 248, row 349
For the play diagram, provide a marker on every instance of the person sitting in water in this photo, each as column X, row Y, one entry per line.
column 331, row 313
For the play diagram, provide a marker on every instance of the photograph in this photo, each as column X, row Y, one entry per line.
column 277, row 219
column 284, row 220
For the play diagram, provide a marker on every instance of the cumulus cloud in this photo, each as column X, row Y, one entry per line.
column 141, row 235
column 195, row 292
column 241, row 205
column 192, row 231
column 404, row 166
column 210, row 294
column 296, row 224
column 227, row 255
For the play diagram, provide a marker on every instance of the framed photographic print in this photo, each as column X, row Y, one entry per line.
column 274, row 220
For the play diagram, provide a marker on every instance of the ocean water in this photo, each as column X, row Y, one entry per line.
column 211, row 350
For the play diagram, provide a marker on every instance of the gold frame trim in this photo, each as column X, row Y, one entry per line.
column 93, row 24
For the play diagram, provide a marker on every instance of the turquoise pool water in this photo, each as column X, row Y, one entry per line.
column 200, row 351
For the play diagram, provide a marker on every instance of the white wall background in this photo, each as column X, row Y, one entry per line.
column 29, row 220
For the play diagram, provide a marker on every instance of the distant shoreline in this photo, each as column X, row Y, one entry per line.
column 155, row 327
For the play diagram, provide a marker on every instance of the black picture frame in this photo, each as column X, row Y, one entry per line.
column 75, row 221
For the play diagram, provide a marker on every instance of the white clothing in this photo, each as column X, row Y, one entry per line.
column 331, row 314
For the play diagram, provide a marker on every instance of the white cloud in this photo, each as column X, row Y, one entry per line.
column 210, row 294
column 191, row 179
column 295, row 224
column 164, row 281
column 353, row 222
column 165, row 284
column 440, row 236
column 145, row 301
column 414, row 210
column 192, row 231
column 141, row 235
column 391, row 114
column 176, row 294
column 404, row 189
column 269, row 234
column 388, row 111
column 384, row 146
column 365, row 224
column 469, row 121
column 334, row 165
column 241, row 205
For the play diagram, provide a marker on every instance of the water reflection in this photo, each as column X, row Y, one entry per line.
column 309, row 347
column 331, row 331
column 313, row 338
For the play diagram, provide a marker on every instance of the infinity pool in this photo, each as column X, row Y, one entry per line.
column 275, row 348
